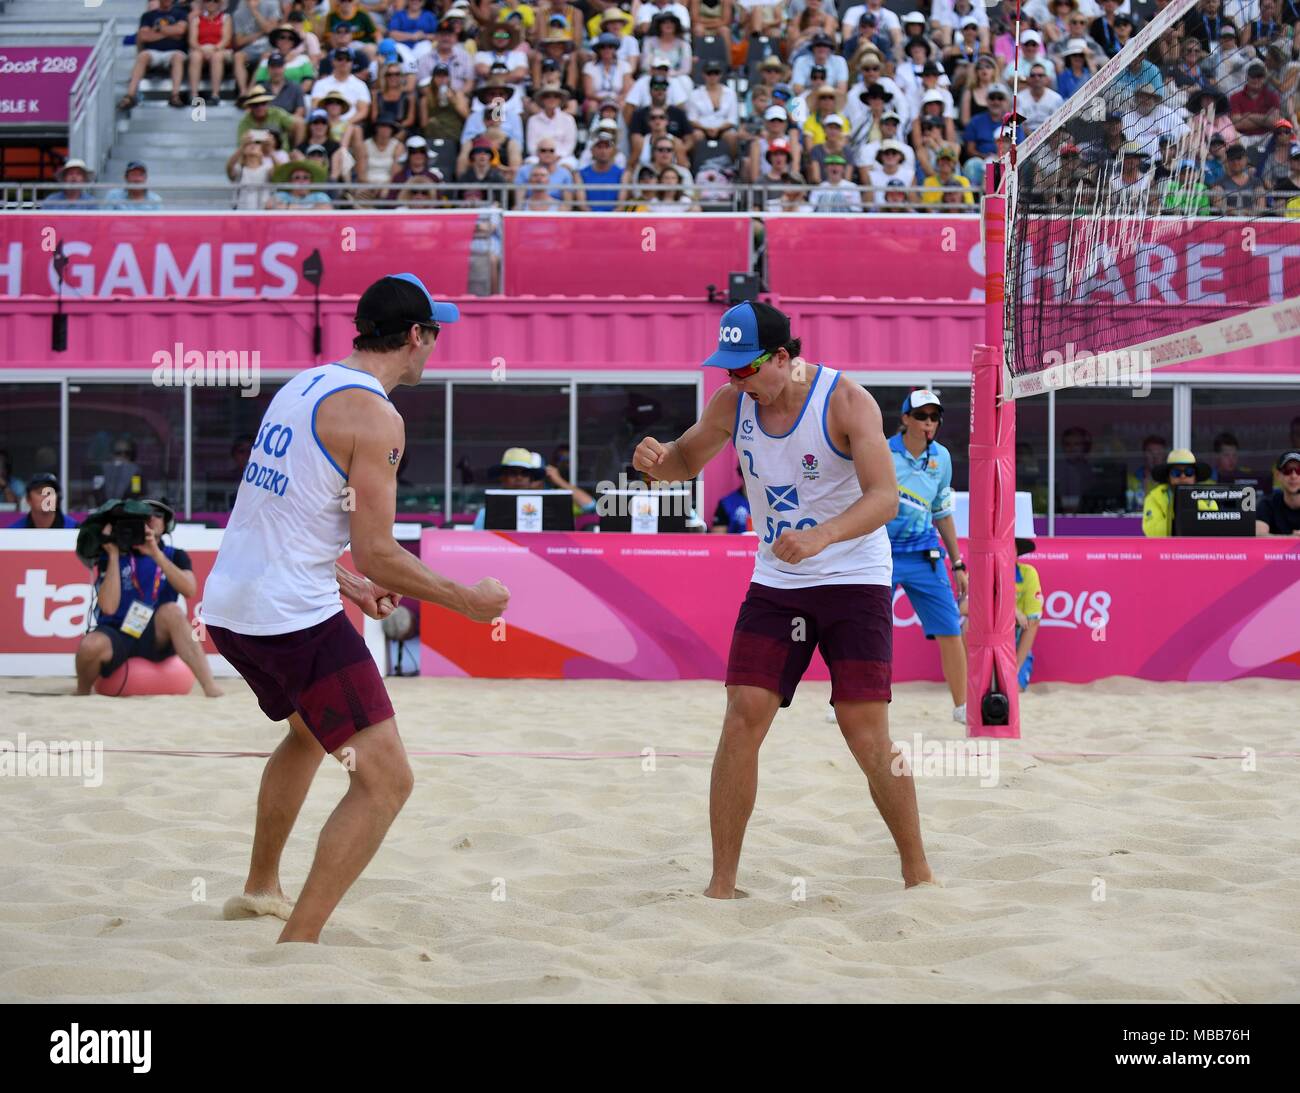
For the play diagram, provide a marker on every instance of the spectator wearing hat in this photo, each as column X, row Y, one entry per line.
column 1210, row 117
column 776, row 127
column 1237, row 192
column 836, row 193
column 657, row 87
column 866, row 110
column 657, row 118
column 601, row 179
column 449, row 52
column 823, row 102
column 135, row 195
column 519, row 469
column 647, row 12
column 868, row 153
column 44, row 503
column 821, row 54
column 962, row 52
column 916, row 31
column 74, row 176
column 1256, row 108
column 1275, row 155
column 381, row 153
column 261, row 113
column 812, row 23
column 618, row 22
column 771, row 71
column 606, row 76
column 887, row 21
column 1278, row 513
column 1076, row 70
column 891, row 166
column 300, row 53
column 946, row 178
column 393, row 99
column 442, row 108
column 552, row 123
column 318, row 136
column 299, row 180
column 482, row 170
column 1181, row 468
column 249, row 168
column 1031, row 53
column 417, row 181
column 1132, row 185
column 252, row 23
column 936, row 113
column 500, row 45
column 161, row 41
column 835, row 142
column 412, row 27
column 495, row 102
column 866, row 38
column 209, row 37
column 774, row 174
column 285, row 93
column 362, row 30
column 556, row 53
column 662, row 151
column 665, row 39
column 343, row 82
column 1104, row 152
column 1228, row 59
column 714, row 110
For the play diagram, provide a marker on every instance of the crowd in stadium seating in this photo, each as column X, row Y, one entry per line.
column 815, row 105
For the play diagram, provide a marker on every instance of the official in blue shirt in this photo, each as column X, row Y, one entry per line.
column 925, row 507
column 602, row 178
column 45, row 502
column 137, row 614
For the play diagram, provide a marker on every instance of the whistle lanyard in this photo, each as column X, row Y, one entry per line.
column 157, row 581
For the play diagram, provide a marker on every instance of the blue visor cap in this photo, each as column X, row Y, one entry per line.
column 438, row 313
column 747, row 331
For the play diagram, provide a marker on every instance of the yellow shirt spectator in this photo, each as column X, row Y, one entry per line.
column 933, row 187
column 526, row 13
column 1181, row 468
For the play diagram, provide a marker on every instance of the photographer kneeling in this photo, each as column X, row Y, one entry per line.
column 138, row 581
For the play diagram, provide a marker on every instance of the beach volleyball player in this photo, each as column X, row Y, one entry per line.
column 324, row 472
column 820, row 481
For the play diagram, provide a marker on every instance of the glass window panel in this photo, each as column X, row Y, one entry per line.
column 614, row 417
column 146, row 424
column 225, row 426
column 421, row 475
column 29, row 439
column 488, row 418
column 1251, row 425
column 1105, row 439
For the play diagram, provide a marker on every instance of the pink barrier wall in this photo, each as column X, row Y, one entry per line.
column 662, row 607
column 606, row 255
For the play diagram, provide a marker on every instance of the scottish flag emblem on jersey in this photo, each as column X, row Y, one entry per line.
column 782, row 498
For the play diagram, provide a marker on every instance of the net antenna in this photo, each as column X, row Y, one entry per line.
column 1128, row 248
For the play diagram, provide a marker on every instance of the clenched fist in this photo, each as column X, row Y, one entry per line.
column 486, row 600
column 648, row 456
column 794, row 546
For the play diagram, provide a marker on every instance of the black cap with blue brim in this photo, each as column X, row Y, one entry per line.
column 747, row 331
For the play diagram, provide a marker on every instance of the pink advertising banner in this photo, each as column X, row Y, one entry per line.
column 36, row 82
column 876, row 257
column 662, row 607
column 623, row 255
column 248, row 256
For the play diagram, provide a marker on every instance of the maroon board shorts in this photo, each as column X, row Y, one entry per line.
column 324, row 673
column 852, row 624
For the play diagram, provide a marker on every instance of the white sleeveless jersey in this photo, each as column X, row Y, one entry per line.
column 274, row 572
column 799, row 480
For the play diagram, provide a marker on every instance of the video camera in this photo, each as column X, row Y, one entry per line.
column 126, row 521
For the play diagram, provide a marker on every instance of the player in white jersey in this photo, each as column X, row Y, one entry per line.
column 821, row 487
column 324, row 471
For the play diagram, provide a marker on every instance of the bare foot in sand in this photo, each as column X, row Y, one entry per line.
column 254, row 904
column 213, row 692
column 916, row 878
column 725, row 891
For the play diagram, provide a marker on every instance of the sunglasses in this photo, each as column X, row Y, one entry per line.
column 1182, row 472
column 751, row 368
column 1290, row 469
column 923, row 416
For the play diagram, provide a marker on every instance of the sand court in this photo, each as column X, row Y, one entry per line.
column 569, row 866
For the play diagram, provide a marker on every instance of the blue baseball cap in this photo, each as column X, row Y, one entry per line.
column 395, row 302
column 747, row 331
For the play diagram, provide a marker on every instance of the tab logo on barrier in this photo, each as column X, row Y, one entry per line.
column 72, row 606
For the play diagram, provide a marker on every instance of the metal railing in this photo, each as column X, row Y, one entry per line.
column 752, row 198
column 92, row 112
